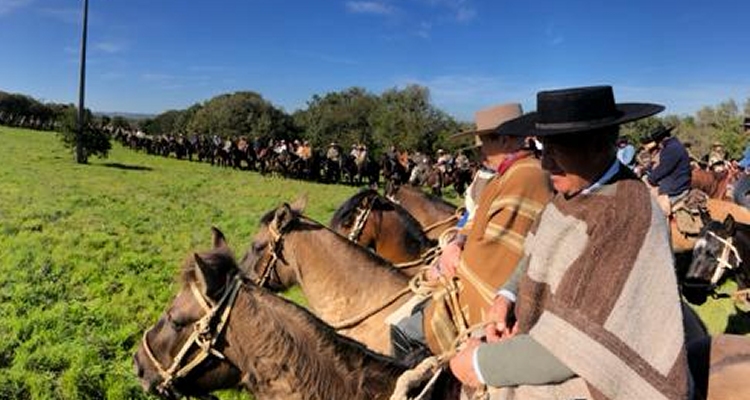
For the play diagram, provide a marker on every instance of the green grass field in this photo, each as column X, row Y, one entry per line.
column 89, row 255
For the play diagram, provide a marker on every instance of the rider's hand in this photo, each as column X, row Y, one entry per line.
column 449, row 259
column 462, row 364
column 498, row 313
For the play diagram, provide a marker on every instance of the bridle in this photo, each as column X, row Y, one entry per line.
column 723, row 260
column 203, row 337
column 273, row 252
column 361, row 220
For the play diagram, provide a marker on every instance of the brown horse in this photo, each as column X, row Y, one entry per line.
column 340, row 280
column 374, row 222
column 714, row 184
column 435, row 214
column 200, row 344
column 222, row 331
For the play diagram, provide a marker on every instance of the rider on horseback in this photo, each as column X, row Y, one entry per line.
column 485, row 251
column 594, row 299
column 669, row 173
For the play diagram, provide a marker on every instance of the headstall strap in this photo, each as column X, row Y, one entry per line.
column 723, row 260
column 202, row 336
column 359, row 223
column 273, row 249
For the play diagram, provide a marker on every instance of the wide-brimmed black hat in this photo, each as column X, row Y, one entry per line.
column 652, row 139
column 576, row 110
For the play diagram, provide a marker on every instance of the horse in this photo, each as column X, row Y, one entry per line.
column 715, row 184
column 222, row 331
column 345, row 284
column 723, row 249
column 200, row 345
column 374, row 222
column 433, row 213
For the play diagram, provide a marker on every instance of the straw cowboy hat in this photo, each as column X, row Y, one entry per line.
column 488, row 120
column 577, row 110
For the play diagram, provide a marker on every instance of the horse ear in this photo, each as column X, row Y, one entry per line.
column 218, row 238
column 202, row 274
column 300, row 204
column 283, row 217
column 729, row 224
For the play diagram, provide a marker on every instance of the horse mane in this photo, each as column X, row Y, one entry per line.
column 439, row 201
column 310, row 349
column 345, row 214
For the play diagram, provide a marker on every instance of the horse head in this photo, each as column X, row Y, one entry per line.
column 181, row 355
column 715, row 255
column 263, row 261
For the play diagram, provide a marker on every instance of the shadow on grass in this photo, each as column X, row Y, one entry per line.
column 127, row 167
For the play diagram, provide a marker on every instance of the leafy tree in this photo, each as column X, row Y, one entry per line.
column 95, row 141
column 241, row 113
column 338, row 116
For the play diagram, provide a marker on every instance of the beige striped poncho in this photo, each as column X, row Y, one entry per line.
column 507, row 209
column 600, row 293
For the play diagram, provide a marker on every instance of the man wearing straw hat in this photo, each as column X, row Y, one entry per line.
column 486, row 249
column 595, row 299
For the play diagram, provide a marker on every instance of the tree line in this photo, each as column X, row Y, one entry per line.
column 401, row 117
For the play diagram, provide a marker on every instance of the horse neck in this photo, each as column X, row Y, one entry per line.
column 424, row 209
column 293, row 355
column 405, row 231
column 337, row 275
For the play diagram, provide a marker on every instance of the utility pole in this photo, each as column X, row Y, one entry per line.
column 80, row 153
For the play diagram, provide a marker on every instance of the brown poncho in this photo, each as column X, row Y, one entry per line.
column 600, row 292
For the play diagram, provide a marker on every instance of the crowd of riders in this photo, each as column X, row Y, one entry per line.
column 299, row 159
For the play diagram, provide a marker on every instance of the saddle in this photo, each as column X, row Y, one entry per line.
column 687, row 212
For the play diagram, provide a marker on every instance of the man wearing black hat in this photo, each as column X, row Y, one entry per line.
column 670, row 174
column 597, row 310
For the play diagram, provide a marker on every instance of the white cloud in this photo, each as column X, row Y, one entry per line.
column 462, row 95
column 65, row 15
column 370, row 7
column 7, row 6
column 110, row 47
column 424, row 30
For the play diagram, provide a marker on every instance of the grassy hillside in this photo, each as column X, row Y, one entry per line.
column 89, row 255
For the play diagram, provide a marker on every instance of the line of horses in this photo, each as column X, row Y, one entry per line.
column 317, row 167
column 225, row 330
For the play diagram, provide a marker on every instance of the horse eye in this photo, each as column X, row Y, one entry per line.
column 176, row 325
column 258, row 247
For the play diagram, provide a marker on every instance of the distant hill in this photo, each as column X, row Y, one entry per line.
column 126, row 115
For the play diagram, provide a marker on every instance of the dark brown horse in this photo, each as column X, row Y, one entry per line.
column 222, row 331
column 345, row 284
column 374, row 222
column 433, row 213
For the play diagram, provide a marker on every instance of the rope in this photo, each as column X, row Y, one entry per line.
column 356, row 320
column 452, row 220
column 360, row 222
column 432, row 367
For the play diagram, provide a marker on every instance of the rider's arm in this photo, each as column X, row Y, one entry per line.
column 668, row 159
column 520, row 360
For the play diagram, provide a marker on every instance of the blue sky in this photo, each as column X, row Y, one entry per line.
column 149, row 56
